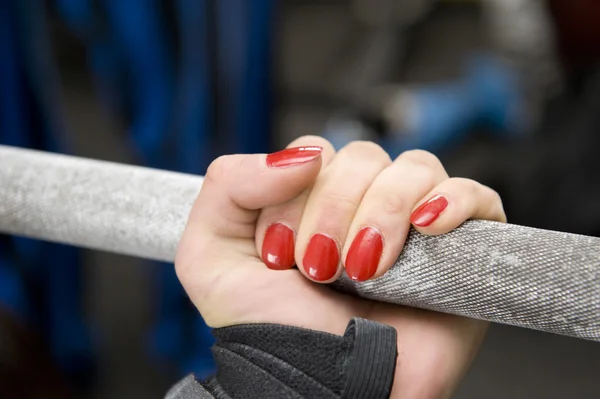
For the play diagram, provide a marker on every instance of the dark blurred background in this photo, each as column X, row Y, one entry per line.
column 505, row 92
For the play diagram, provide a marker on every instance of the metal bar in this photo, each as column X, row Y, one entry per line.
column 504, row 273
column 101, row 205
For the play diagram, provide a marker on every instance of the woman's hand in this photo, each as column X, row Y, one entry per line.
column 258, row 215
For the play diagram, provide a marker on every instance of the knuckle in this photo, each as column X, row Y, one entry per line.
column 223, row 168
column 336, row 202
column 421, row 158
column 487, row 201
column 359, row 146
column 393, row 202
column 365, row 149
column 497, row 204
column 217, row 169
column 495, row 196
column 489, row 194
column 428, row 177
column 467, row 186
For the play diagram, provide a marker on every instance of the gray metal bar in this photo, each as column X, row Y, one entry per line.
column 504, row 273
column 94, row 204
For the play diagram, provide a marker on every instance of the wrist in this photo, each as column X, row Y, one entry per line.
column 272, row 360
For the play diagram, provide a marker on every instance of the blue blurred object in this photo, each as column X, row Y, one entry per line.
column 244, row 35
column 105, row 56
column 439, row 116
column 193, row 105
column 13, row 297
column 195, row 150
column 183, row 106
column 184, row 110
column 170, row 129
column 40, row 281
column 255, row 104
column 140, row 32
column 78, row 15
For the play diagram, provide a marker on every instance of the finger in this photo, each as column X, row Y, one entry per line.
column 454, row 201
column 218, row 237
column 235, row 188
column 277, row 225
column 381, row 224
column 331, row 206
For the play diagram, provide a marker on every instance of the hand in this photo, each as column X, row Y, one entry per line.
column 256, row 216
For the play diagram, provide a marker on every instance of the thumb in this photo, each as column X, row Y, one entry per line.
column 218, row 243
column 236, row 187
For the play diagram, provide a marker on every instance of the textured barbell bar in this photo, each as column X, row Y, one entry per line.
column 504, row 273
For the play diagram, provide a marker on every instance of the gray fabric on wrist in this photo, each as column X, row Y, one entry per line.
column 276, row 361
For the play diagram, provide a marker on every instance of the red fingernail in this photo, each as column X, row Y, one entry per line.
column 429, row 211
column 278, row 247
column 293, row 156
column 364, row 254
column 321, row 258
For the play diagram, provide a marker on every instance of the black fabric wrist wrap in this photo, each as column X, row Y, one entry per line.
column 276, row 361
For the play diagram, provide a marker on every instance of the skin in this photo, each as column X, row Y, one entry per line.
column 218, row 260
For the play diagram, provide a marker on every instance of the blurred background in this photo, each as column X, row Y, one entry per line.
column 504, row 91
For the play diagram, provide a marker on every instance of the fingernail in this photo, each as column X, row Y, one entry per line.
column 429, row 211
column 293, row 156
column 364, row 254
column 321, row 258
column 278, row 247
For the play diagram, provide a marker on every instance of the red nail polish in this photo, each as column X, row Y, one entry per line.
column 364, row 254
column 321, row 258
column 429, row 211
column 293, row 156
column 278, row 247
